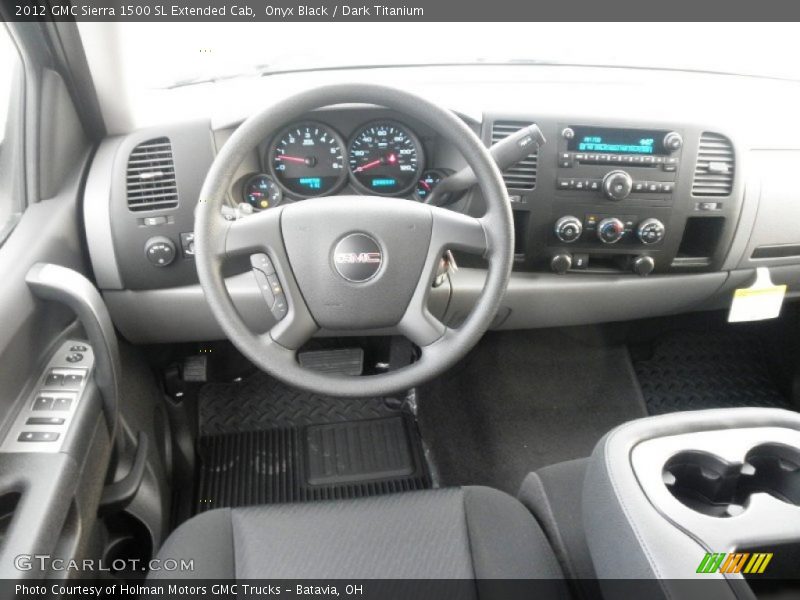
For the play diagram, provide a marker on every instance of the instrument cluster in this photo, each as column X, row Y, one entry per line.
column 310, row 159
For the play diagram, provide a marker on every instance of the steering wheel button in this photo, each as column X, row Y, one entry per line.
column 265, row 287
column 280, row 308
column 262, row 263
column 274, row 284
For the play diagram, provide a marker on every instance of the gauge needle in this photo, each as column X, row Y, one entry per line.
column 425, row 184
column 369, row 165
column 296, row 159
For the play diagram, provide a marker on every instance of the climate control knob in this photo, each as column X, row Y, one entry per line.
column 617, row 185
column 569, row 229
column 650, row 231
column 673, row 141
column 610, row 230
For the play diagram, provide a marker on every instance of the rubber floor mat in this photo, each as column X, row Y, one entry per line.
column 346, row 459
column 699, row 370
column 261, row 402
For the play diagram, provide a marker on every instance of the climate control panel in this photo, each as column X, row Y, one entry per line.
column 595, row 228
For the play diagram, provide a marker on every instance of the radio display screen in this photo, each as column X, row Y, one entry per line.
column 617, row 141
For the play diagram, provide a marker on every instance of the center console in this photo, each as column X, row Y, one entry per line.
column 707, row 496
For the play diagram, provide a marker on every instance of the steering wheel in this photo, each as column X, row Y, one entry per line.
column 348, row 263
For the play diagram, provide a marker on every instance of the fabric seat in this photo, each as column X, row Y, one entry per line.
column 453, row 533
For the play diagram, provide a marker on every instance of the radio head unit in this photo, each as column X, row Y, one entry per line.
column 618, row 141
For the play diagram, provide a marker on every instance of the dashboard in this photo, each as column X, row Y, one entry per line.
column 631, row 208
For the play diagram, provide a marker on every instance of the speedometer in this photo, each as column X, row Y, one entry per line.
column 307, row 159
column 385, row 158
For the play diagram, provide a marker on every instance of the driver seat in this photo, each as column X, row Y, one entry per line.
column 450, row 533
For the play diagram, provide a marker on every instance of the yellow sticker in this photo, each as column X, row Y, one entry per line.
column 762, row 300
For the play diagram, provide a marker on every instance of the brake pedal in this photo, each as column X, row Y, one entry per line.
column 344, row 361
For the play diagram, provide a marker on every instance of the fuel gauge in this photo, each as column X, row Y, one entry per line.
column 261, row 192
column 429, row 179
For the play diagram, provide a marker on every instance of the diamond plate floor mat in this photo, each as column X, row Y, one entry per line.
column 261, row 402
column 345, row 459
column 699, row 370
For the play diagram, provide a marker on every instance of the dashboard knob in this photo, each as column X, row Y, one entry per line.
column 561, row 263
column 160, row 251
column 643, row 265
column 673, row 141
column 610, row 230
column 650, row 231
column 568, row 133
column 568, row 229
column 617, row 185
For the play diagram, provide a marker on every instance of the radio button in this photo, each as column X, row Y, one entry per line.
column 670, row 164
column 562, row 184
column 667, row 187
column 594, row 184
column 673, row 141
column 639, row 186
column 653, row 187
column 617, row 185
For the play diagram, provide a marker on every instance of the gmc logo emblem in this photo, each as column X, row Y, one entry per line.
column 352, row 258
column 357, row 257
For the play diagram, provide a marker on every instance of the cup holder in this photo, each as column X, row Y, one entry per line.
column 776, row 471
column 711, row 486
column 703, row 482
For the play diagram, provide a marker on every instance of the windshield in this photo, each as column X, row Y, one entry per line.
column 160, row 55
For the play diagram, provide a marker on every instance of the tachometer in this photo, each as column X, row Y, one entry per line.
column 307, row 159
column 385, row 158
column 261, row 192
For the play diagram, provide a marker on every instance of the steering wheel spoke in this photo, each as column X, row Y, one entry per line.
column 456, row 231
column 254, row 233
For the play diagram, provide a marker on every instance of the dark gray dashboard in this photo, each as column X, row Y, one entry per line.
column 713, row 234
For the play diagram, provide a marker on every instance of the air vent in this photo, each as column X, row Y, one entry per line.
column 151, row 176
column 522, row 176
column 713, row 174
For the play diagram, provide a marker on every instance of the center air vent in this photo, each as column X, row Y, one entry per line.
column 713, row 174
column 521, row 176
column 151, row 176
